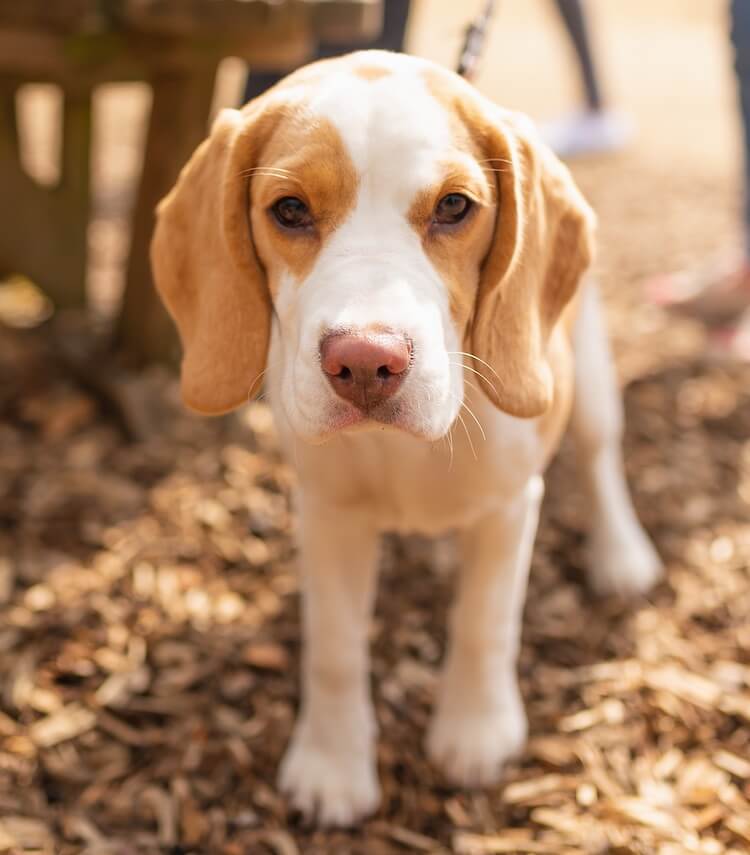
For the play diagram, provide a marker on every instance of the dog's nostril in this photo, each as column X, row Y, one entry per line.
column 366, row 367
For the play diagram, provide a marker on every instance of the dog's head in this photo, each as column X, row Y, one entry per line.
column 390, row 221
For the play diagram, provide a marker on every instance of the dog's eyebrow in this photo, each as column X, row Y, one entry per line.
column 495, row 160
column 465, row 179
column 270, row 172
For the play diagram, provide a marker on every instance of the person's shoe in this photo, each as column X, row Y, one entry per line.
column 716, row 295
column 587, row 132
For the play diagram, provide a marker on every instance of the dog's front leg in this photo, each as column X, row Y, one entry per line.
column 479, row 721
column 329, row 769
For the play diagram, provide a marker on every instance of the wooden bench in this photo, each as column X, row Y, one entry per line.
column 174, row 45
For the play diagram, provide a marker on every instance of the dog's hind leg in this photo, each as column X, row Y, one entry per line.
column 621, row 558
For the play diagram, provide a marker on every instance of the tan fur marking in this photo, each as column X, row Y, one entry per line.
column 542, row 245
column 213, row 268
column 206, row 269
column 371, row 72
column 307, row 159
column 458, row 255
column 456, row 252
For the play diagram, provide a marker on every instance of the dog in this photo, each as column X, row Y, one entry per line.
column 402, row 262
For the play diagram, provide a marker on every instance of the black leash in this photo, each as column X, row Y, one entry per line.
column 476, row 34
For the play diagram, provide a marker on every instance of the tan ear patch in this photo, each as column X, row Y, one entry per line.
column 206, row 270
column 217, row 248
column 541, row 245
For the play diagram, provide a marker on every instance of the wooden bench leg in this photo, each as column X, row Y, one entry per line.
column 8, row 162
column 67, row 283
column 43, row 230
column 179, row 117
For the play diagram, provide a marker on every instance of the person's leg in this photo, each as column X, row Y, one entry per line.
column 740, row 32
column 392, row 37
column 259, row 81
column 720, row 293
column 593, row 128
column 574, row 18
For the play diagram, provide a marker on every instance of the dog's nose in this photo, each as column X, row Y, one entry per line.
column 365, row 368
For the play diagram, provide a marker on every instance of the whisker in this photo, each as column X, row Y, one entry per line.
column 471, row 385
column 471, row 413
column 270, row 173
column 468, row 436
column 270, row 363
column 473, row 356
column 252, row 385
column 466, row 429
column 479, row 374
column 277, row 169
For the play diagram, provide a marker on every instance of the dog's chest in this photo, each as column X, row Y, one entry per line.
column 431, row 489
column 410, row 485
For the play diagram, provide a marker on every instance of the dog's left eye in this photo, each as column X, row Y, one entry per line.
column 292, row 213
column 452, row 209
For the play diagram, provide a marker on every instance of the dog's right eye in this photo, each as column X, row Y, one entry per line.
column 292, row 213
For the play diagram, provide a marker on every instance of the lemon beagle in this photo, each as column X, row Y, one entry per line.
column 401, row 260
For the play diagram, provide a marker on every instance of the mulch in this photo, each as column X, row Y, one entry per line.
column 149, row 606
column 149, row 639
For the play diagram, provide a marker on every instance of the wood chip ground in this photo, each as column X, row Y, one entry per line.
column 149, row 626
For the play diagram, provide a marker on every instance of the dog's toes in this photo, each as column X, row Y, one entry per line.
column 623, row 563
column 333, row 790
column 471, row 749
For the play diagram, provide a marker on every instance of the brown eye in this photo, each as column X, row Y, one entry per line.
column 451, row 209
column 292, row 213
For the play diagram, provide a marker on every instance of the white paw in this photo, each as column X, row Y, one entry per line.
column 333, row 787
column 471, row 747
column 622, row 562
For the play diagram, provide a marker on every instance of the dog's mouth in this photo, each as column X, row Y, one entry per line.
column 348, row 417
column 391, row 416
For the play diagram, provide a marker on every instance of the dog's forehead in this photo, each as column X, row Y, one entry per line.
column 387, row 121
column 385, row 110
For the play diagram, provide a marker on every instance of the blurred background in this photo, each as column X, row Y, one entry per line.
column 148, row 600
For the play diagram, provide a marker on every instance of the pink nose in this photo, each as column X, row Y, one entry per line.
column 365, row 368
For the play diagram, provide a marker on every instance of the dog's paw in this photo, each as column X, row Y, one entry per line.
column 471, row 748
column 333, row 788
column 623, row 562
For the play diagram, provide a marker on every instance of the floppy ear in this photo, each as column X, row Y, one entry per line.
column 207, row 272
column 543, row 243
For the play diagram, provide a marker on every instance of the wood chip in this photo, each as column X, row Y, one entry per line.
column 67, row 723
column 534, row 789
column 465, row 843
column 737, row 766
column 409, row 839
column 267, row 657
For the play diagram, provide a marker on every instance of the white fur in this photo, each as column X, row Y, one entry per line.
column 621, row 558
column 374, row 269
column 483, row 479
